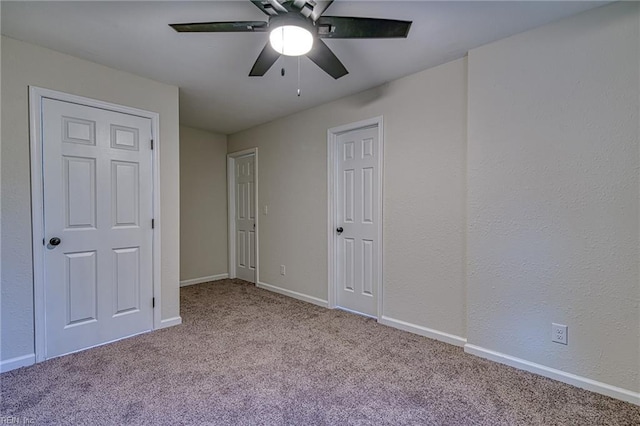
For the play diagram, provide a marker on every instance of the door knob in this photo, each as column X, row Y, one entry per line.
column 339, row 230
column 54, row 241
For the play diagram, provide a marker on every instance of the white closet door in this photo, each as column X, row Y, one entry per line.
column 357, row 220
column 97, row 168
column 245, row 218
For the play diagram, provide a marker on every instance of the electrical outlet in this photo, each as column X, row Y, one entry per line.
column 283, row 271
column 266, row 210
column 559, row 333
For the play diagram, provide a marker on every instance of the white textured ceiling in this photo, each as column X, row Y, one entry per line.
column 212, row 69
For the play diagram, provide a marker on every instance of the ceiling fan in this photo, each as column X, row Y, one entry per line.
column 296, row 28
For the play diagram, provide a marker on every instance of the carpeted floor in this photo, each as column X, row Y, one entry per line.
column 245, row 356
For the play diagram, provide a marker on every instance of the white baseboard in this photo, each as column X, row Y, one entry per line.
column 423, row 331
column 170, row 322
column 17, row 362
column 552, row 373
column 293, row 294
column 203, row 279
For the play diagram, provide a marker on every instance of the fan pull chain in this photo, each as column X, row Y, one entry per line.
column 298, row 76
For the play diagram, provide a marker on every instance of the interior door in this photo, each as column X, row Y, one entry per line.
column 245, row 218
column 357, row 220
column 97, row 179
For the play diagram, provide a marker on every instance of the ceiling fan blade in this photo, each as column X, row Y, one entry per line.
column 266, row 8
column 319, row 9
column 299, row 4
column 327, row 60
column 221, row 27
column 278, row 6
column 265, row 60
column 347, row 27
column 269, row 7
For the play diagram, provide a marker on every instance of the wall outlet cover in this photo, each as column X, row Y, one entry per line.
column 559, row 333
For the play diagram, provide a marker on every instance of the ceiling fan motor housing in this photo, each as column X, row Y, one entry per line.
column 294, row 19
column 291, row 34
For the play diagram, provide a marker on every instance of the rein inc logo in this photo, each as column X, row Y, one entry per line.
column 15, row 420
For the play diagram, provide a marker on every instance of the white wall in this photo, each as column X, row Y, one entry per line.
column 203, row 204
column 553, row 195
column 424, row 194
column 24, row 64
column 552, row 204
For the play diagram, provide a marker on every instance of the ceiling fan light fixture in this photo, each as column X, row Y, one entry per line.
column 291, row 40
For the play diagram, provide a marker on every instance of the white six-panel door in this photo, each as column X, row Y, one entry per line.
column 97, row 180
column 245, row 218
column 357, row 216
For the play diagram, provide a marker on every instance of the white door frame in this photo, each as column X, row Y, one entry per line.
column 231, row 208
column 36, row 97
column 332, row 191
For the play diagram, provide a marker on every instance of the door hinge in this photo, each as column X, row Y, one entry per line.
column 153, row 223
column 153, row 302
column 151, row 143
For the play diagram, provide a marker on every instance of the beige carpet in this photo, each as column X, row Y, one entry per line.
column 244, row 356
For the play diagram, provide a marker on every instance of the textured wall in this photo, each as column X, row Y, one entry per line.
column 553, row 195
column 203, row 203
column 24, row 64
column 424, row 194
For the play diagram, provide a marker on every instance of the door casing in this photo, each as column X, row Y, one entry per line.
column 36, row 96
column 332, row 191
column 231, row 209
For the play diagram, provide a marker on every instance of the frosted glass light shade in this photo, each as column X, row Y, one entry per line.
column 291, row 40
